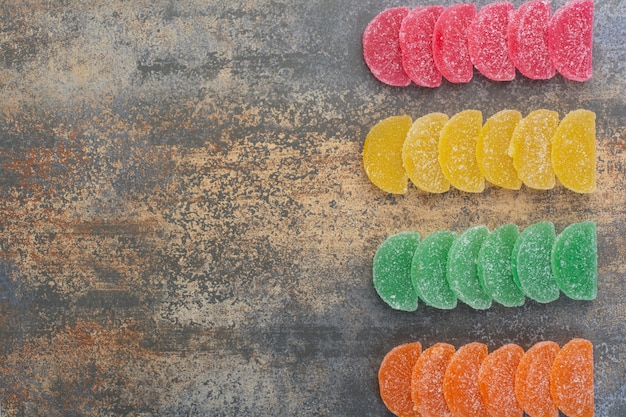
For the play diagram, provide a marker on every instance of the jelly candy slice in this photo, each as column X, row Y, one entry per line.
column 450, row 43
column 570, row 39
column 496, row 381
column 457, row 151
column 531, row 147
column 460, row 382
column 492, row 147
column 486, row 42
column 574, row 151
column 575, row 261
column 416, row 43
column 462, row 269
column 495, row 270
column 527, row 40
column 392, row 271
column 532, row 264
column 420, row 153
column 532, row 380
column 394, row 378
column 382, row 154
column 428, row 270
column 381, row 47
column 571, row 379
column 427, row 381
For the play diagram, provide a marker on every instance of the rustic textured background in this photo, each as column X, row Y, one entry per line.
column 186, row 229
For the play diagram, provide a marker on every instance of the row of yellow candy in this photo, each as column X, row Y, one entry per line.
column 437, row 152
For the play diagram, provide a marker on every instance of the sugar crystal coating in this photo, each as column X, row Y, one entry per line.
column 532, row 380
column 420, row 153
column 450, row 43
column 527, row 35
column 574, row 151
column 575, row 261
column 416, row 43
column 570, row 39
column 428, row 270
column 392, row 271
column 381, row 47
column 492, row 149
column 460, row 382
column 394, row 378
column 496, row 381
column 382, row 154
column 427, row 381
column 571, row 379
column 462, row 268
column 532, row 263
column 457, row 151
column 495, row 270
column 486, row 41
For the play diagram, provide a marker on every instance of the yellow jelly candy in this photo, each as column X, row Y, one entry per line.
column 420, row 153
column 574, row 151
column 531, row 146
column 457, row 151
column 382, row 154
column 492, row 146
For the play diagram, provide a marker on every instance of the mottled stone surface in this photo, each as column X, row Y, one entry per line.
column 186, row 228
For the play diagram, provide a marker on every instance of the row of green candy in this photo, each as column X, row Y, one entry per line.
column 479, row 267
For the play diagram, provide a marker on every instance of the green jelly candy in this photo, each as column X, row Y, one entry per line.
column 462, row 269
column 532, row 263
column 495, row 270
column 428, row 270
column 392, row 271
column 575, row 261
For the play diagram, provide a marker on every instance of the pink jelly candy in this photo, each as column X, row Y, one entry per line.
column 381, row 47
column 570, row 39
column 450, row 43
column 486, row 41
column 416, row 43
column 527, row 40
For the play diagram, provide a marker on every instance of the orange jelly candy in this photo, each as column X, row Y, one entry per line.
column 532, row 380
column 496, row 381
column 531, row 147
column 382, row 154
column 427, row 381
column 460, row 382
column 394, row 378
column 571, row 379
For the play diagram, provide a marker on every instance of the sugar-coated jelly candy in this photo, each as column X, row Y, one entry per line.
column 532, row 263
column 416, row 43
column 450, row 43
column 428, row 270
column 420, row 153
column 492, row 149
column 427, row 381
column 527, row 40
column 570, row 39
column 486, row 42
column 495, row 270
column 457, row 151
column 460, row 382
column 382, row 154
column 394, row 378
column 531, row 147
column 381, row 47
column 571, row 379
column 462, row 269
column 574, row 151
column 392, row 271
column 575, row 261
column 496, row 381
column 532, row 380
